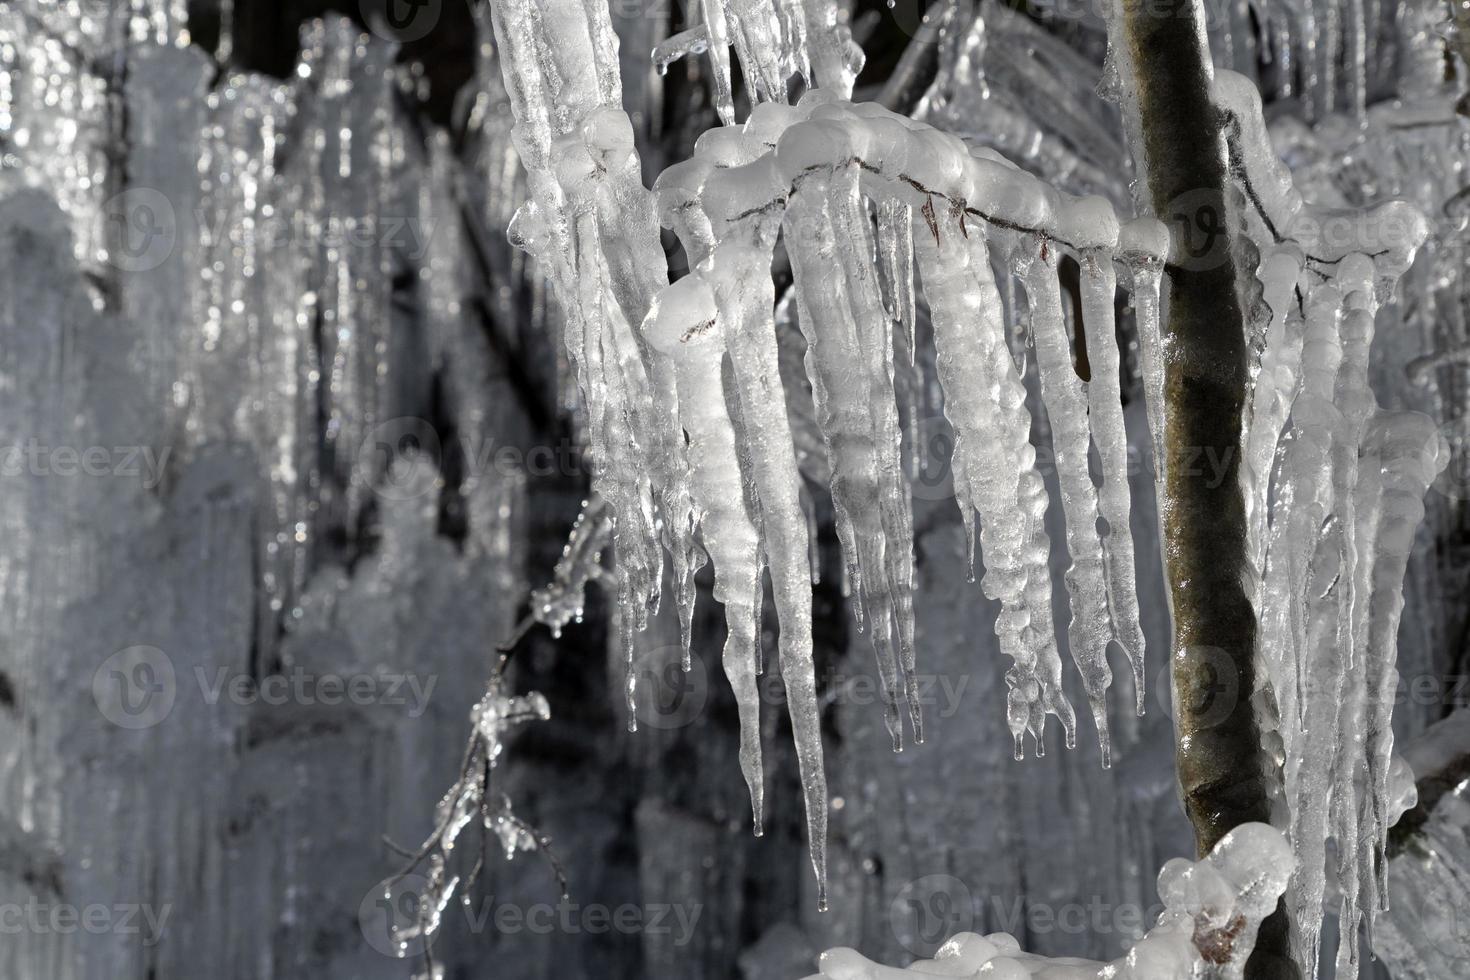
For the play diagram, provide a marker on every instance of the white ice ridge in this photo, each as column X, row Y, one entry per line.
column 1212, row 910
column 1334, row 487
column 775, row 39
column 811, row 172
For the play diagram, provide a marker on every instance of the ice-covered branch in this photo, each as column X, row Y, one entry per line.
column 1213, row 909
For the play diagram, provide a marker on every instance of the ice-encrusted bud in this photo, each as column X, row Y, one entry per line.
column 608, row 135
column 682, row 318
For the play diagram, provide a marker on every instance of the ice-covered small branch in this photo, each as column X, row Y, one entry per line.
column 1213, row 909
column 472, row 800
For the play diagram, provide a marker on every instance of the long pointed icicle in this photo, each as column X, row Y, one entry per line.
column 1275, row 386
column 836, row 365
column 1409, row 449
column 746, row 297
column 739, row 271
column 1066, row 406
column 896, row 262
column 1316, row 570
column 683, row 324
column 719, row 59
column 1105, row 408
column 1140, row 243
column 858, row 252
column 1354, row 399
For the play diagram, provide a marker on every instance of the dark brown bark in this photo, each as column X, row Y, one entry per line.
column 1221, row 773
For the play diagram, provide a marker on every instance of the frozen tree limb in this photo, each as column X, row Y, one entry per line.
column 1185, row 164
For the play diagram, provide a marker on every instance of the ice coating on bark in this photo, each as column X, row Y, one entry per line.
column 1212, row 911
column 684, row 325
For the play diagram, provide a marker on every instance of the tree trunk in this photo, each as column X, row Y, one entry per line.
column 1222, row 775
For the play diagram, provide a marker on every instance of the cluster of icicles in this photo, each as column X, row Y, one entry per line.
column 774, row 39
column 811, row 173
column 687, row 420
column 689, row 452
column 1213, row 909
column 1334, row 494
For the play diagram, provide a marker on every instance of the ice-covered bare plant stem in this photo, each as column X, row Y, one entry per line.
column 1212, row 911
column 1267, row 332
column 687, row 410
column 1180, row 149
column 472, row 801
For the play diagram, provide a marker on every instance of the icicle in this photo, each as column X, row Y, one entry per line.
column 792, row 16
column 896, row 246
column 741, row 278
column 1143, row 244
column 1367, row 680
column 739, row 271
column 993, row 464
column 1066, row 405
column 683, row 324
column 1275, row 387
column 1105, row 409
column 694, row 41
column 1411, row 454
column 857, row 252
column 843, row 386
column 756, row 33
column 896, row 252
column 1355, row 400
column 719, row 58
